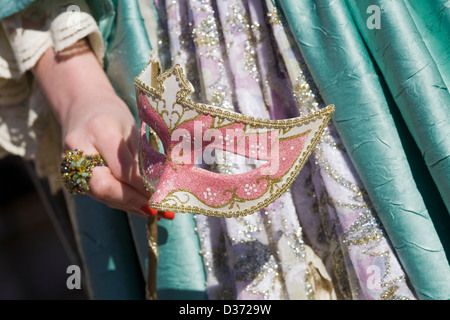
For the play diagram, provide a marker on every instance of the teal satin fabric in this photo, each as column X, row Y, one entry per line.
column 181, row 274
column 414, row 81
column 111, row 265
column 432, row 21
column 391, row 107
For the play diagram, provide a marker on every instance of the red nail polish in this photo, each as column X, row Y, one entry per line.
column 146, row 209
column 166, row 215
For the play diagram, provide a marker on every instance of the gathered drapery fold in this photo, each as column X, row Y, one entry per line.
column 367, row 73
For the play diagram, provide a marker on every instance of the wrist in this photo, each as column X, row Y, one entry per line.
column 72, row 82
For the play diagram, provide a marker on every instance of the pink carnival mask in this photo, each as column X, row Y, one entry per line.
column 188, row 131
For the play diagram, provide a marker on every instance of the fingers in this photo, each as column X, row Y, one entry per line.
column 121, row 155
column 166, row 215
column 119, row 184
column 133, row 141
column 106, row 188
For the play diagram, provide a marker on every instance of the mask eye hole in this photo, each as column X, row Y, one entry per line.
column 151, row 160
column 153, row 140
column 223, row 162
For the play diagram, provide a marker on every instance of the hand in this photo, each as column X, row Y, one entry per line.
column 102, row 124
column 95, row 120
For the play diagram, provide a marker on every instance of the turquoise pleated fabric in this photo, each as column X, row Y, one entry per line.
column 112, row 269
column 416, row 84
column 181, row 274
column 391, row 106
column 432, row 19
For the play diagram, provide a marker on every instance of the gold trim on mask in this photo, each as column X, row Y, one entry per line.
column 182, row 98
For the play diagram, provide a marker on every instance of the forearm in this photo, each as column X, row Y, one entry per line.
column 71, row 78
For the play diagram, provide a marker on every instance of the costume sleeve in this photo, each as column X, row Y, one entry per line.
column 27, row 34
column 27, row 127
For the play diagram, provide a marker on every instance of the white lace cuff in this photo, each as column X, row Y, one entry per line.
column 28, row 34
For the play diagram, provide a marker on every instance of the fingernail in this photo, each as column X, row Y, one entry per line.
column 166, row 215
column 147, row 210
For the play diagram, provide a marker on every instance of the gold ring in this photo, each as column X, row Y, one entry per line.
column 76, row 170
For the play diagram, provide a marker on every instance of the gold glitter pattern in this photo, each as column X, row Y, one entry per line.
column 238, row 20
column 274, row 17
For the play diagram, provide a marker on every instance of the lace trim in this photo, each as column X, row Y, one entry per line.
column 22, row 48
